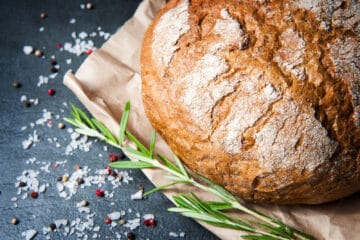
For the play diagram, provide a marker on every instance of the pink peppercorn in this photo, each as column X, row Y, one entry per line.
column 34, row 194
column 89, row 51
column 59, row 45
column 107, row 220
column 99, row 192
column 113, row 157
column 51, row 92
column 150, row 222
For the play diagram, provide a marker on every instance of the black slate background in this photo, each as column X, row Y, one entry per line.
column 19, row 26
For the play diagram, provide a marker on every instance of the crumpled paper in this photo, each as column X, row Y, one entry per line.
column 111, row 76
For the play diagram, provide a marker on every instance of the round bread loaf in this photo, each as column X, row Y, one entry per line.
column 261, row 97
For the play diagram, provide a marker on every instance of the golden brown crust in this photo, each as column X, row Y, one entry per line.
column 260, row 96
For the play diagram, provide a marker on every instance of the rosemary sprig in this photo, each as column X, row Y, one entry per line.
column 214, row 213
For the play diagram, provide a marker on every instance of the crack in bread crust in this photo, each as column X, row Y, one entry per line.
column 262, row 97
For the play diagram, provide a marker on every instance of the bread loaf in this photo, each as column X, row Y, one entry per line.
column 261, row 97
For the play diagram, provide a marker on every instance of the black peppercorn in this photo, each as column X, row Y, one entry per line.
column 130, row 236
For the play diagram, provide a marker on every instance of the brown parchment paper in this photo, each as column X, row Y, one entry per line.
column 111, row 76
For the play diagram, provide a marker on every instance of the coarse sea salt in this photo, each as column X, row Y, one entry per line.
column 29, row 234
column 28, row 50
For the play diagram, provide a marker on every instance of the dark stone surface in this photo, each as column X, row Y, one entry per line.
column 19, row 24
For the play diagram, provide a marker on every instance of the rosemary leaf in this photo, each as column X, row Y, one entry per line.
column 152, row 144
column 130, row 165
column 162, row 187
column 103, row 130
column 257, row 237
column 181, row 166
column 168, row 163
column 138, row 144
column 123, row 122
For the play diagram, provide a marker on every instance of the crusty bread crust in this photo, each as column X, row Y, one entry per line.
column 262, row 97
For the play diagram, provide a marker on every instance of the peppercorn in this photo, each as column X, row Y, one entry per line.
column 130, row 236
column 53, row 69
column 14, row 221
column 84, row 203
column 122, row 221
column 65, row 178
column 34, row 194
column 120, row 177
column 121, row 155
column 59, row 179
column 89, row 51
column 52, row 226
column 61, row 125
column 53, row 62
column 16, row 84
column 107, row 220
column 99, row 193
column 150, row 222
column 43, row 15
column 26, row 103
column 38, row 53
column 89, row 6
column 113, row 157
column 80, row 180
column 51, row 92
column 22, row 184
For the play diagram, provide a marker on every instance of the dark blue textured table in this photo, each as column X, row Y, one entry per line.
column 52, row 154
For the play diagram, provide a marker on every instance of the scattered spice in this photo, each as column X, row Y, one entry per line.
column 59, row 45
column 56, row 165
column 61, row 125
column 59, row 179
column 107, row 220
column 38, row 53
column 77, row 167
column 26, row 103
column 34, row 194
column 51, row 92
column 100, row 193
column 14, row 221
column 53, row 69
column 122, row 221
column 53, row 62
column 43, row 15
column 84, row 203
column 89, row 51
column 89, row 6
column 150, row 222
column 113, row 157
column 65, row 178
column 16, row 84
column 52, row 226
column 130, row 236
column 22, row 184
column 80, row 180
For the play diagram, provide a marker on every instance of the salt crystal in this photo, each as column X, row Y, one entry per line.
column 23, row 128
column 148, row 216
column 114, row 215
column 132, row 223
column 173, row 234
column 83, row 35
column 82, row 6
column 84, row 210
column 68, row 61
column 42, row 80
column 72, row 21
column 53, row 75
column 42, row 188
column 29, row 234
column 14, row 199
column 23, row 98
column 28, row 50
column 182, row 234
column 41, row 29
column 61, row 222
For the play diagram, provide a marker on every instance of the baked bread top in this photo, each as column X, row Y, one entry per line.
column 261, row 97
